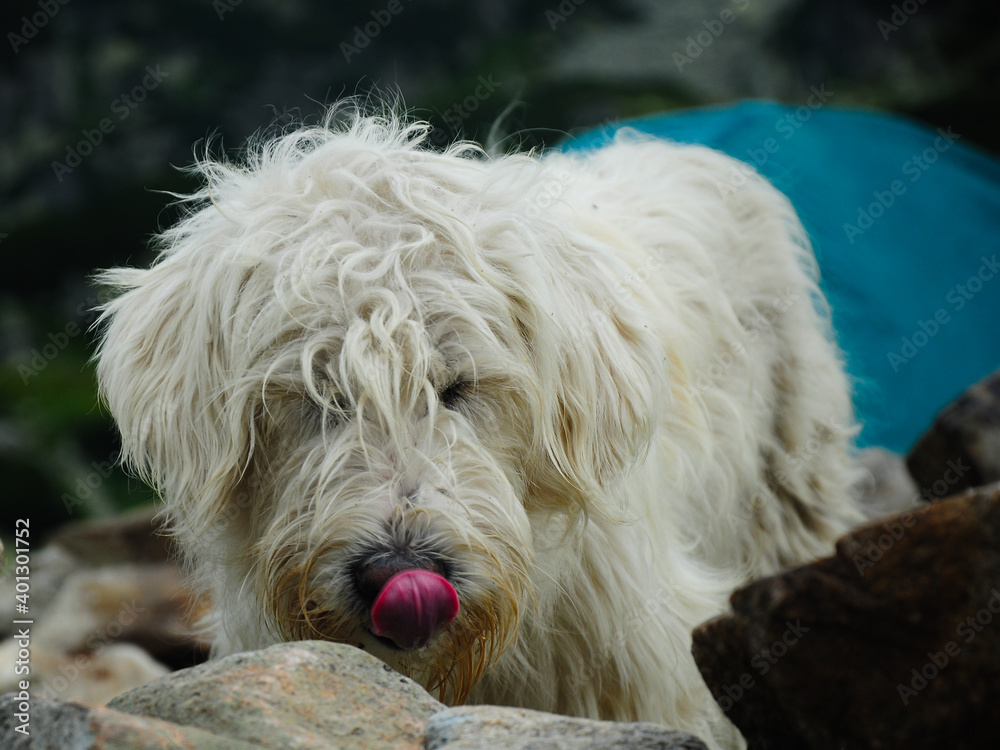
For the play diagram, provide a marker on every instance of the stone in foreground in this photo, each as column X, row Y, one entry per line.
column 491, row 727
column 893, row 642
column 61, row 725
column 306, row 694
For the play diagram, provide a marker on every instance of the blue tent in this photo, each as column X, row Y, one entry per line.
column 905, row 222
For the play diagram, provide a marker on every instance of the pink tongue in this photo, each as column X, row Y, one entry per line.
column 412, row 607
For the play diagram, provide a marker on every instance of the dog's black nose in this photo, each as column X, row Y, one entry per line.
column 372, row 573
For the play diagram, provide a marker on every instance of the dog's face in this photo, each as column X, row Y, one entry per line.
column 362, row 377
column 392, row 436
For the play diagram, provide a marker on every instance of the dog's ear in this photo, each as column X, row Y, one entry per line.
column 162, row 367
column 598, row 368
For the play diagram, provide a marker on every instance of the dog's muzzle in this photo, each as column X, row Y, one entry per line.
column 410, row 600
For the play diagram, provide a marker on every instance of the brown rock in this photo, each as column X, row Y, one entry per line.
column 100, row 589
column 307, row 694
column 134, row 537
column 50, row 566
column 148, row 605
column 91, row 676
column 962, row 448
column 84, row 642
column 893, row 642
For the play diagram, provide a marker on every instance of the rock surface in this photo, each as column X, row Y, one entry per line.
column 886, row 487
column 491, row 727
column 58, row 725
column 110, row 611
column 962, row 448
column 303, row 695
column 134, row 538
column 308, row 695
column 91, row 675
column 893, row 642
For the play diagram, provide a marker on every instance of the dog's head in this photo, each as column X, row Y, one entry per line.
column 361, row 372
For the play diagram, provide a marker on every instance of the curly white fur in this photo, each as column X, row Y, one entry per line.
column 597, row 389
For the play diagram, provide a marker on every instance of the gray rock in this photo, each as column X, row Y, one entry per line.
column 303, row 695
column 138, row 536
column 91, row 676
column 491, row 727
column 59, row 725
column 887, row 487
column 50, row 566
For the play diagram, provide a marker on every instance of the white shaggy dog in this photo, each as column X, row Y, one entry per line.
column 515, row 425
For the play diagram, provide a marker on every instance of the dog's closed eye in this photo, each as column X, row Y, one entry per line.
column 331, row 411
column 452, row 394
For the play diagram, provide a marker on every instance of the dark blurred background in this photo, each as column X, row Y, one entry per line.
column 100, row 102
